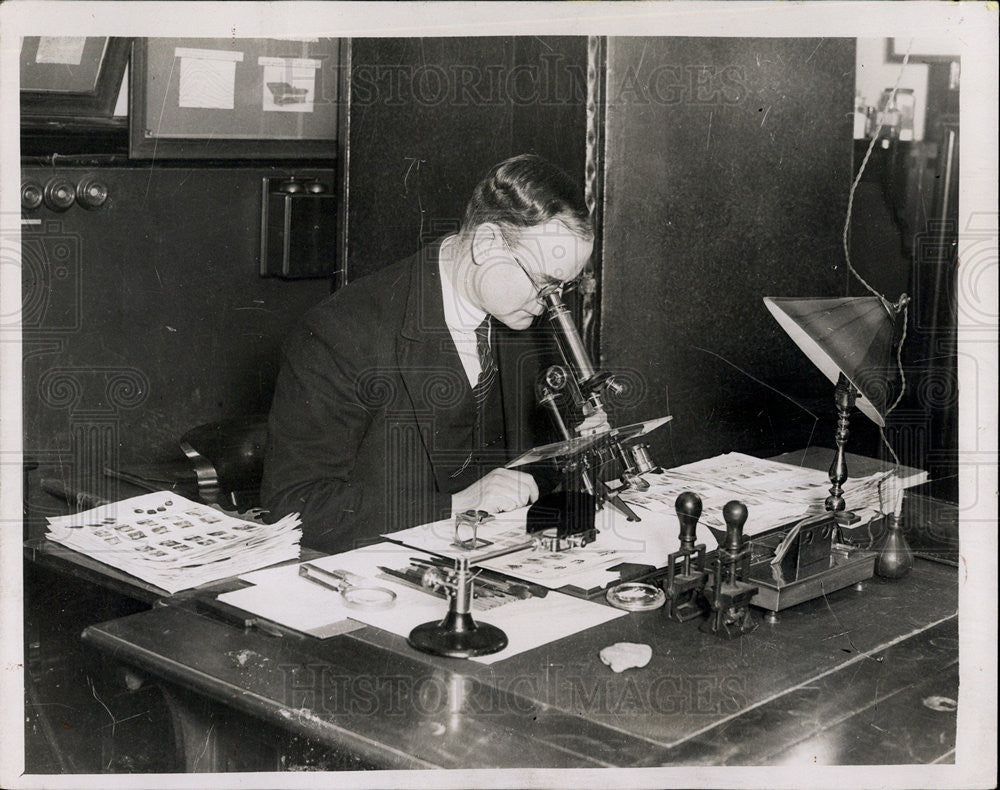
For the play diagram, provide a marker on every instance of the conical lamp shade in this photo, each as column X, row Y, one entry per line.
column 850, row 335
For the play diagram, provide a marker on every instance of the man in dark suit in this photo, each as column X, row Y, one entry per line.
column 403, row 395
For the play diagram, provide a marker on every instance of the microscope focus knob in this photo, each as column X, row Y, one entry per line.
column 556, row 377
column 688, row 507
column 735, row 514
column 613, row 387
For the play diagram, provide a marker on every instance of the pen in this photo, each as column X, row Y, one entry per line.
column 135, row 480
column 235, row 616
column 413, row 578
column 508, row 586
column 410, row 579
column 491, row 580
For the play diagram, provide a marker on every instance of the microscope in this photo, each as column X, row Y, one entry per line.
column 605, row 464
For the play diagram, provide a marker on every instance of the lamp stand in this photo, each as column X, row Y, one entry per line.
column 845, row 396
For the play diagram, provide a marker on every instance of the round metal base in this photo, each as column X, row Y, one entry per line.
column 465, row 640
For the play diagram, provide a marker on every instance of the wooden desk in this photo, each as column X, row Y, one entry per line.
column 840, row 680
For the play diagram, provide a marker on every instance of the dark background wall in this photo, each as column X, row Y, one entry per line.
column 726, row 171
column 430, row 116
column 727, row 168
column 147, row 317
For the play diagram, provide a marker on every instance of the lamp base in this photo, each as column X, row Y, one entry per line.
column 457, row 636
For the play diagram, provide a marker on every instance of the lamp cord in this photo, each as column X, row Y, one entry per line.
column 845, row 237
column 902, row 388
column 857, row 179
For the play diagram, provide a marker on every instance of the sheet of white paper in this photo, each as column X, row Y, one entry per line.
column 207, row 78
column 289, row 84
column 279, row 595
column 67, row 50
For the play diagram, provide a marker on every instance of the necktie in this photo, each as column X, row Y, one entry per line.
column 487, row 362
column 485, row 383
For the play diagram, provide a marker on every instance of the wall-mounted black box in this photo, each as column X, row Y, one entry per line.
column 298, row 228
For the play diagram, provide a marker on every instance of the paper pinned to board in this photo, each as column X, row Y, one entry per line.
column 63, row 50
column 207, row 78
column 289, row 84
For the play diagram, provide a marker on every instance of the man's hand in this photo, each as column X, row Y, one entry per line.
column 595, row 423
column 499, row 490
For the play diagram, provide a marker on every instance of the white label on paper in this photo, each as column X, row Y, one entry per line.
column 208, row 54
column 67, row 50
column 208, row 78
column 289, row 84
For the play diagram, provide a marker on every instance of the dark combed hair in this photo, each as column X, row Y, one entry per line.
column 523, row 191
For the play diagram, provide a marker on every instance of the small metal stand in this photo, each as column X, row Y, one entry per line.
column 684, row 589
column 457, row 635
column 728, row 595
column 469, row 522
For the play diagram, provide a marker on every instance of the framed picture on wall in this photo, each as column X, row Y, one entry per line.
column 74, row 78
column 260, row 98
column 922, row 50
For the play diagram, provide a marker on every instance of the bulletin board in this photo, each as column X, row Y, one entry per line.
column 235, row 98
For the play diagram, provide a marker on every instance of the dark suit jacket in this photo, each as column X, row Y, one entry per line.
column 372, row 414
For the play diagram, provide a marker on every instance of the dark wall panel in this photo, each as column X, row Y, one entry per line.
column 430, row 116
column 147, row 317
column 728, row 164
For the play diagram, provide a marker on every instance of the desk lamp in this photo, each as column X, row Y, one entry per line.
column 852, row 341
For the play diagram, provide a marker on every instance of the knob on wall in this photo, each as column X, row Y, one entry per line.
column 59, row 193
column 91, row 193
column 31, row 194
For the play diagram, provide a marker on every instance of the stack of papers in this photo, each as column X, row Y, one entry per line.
column 774, row 493
column 174, row 543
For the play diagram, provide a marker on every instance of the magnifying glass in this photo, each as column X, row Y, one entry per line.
column 356, row 591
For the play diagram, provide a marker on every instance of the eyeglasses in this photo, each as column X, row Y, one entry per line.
column 546, row 289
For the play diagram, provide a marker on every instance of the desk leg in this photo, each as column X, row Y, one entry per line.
column 211, row 737
column 194, row 731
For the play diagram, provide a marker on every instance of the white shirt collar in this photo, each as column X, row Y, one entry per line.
column 459, row 314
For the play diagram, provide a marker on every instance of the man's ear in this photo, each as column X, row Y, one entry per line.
column 485, row 239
